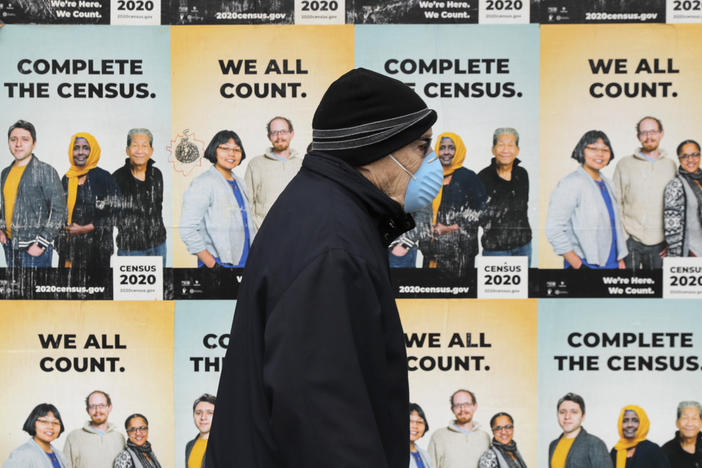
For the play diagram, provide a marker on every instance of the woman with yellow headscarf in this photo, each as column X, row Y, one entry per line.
column 92, row 196
column 457, row 212
column 633, row 450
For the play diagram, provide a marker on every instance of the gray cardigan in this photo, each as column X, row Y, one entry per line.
column 210, row 218
column 587, row 451
column 30, row 455
column 578, row 219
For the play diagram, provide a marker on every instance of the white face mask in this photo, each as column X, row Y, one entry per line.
column 424, row 184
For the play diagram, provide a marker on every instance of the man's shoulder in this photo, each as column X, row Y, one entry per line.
column 591, row 439
column 38, row 165
column 440, row 435
column 627, row 161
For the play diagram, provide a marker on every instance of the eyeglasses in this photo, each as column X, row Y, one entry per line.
column 427, row 149
column 229, row 149
column 97, row 407
column 598, row 150
column 462, row 405
column 279, row 132
column 689, row 156
column 138, row 429
column 649, row 132
column 49, row 422
column 508, row 428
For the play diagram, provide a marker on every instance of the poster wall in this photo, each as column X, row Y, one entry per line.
column 221, row 67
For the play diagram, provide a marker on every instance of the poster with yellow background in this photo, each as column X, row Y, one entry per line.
column 608, row 77
column 60, row 351
column 485, row 346
column 240, row 78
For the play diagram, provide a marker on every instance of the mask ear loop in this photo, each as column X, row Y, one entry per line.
column 402, row 167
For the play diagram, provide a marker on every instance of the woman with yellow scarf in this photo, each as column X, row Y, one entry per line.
column 633, row 450
column 457, row 212
column 92, row 196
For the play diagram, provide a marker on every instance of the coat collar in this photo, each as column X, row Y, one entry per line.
column 388, row 214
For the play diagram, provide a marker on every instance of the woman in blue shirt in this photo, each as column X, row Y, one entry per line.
column 583, row 223
column 418, row 427
column 215, row 222
column 44, row 424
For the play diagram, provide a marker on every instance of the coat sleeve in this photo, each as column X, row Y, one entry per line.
column 598, row 454
column 68, row 450
column 196, row 200
column 435, row 454
column 674, row 217
column 559, row 230
column 253, row 193
column 55, row 200
column 326, row 366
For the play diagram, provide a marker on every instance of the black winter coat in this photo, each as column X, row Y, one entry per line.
column 315, row 374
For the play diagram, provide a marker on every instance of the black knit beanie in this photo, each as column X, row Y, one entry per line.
column 365, row 116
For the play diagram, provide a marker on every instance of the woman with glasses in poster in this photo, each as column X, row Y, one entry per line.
column 138, row 452
column 215, row 221
column 418, row 426
column 44, row 425
column 682, row 204
column 583, row 223
column 503, row 451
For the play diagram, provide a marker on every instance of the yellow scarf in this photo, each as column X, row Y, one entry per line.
column 74, row 172
column 625, row 444
column 456, row 163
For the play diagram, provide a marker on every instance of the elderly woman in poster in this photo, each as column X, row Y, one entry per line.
column 583, row 223
column 457, row 212
column 92, row 197
column 682, row 208
column 633, row 450
column 215, row 222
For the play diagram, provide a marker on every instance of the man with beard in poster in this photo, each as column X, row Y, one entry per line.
column 98, row 442
column 685, row 449
column 463, row 442
column 640, row 180
column 267, row 175
column 575, row 447
column 315, row 374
